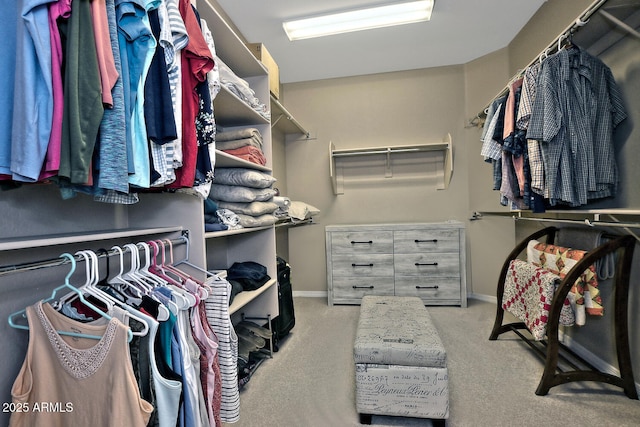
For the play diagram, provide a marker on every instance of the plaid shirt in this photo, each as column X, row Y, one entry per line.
column 491, row 150
column 575, row 111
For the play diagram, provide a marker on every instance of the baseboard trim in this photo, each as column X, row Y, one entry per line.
column 310, row 294
column 485, row 298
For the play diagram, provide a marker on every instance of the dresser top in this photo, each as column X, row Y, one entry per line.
column 397, row 226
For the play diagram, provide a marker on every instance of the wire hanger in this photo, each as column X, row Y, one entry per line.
column 66, row 286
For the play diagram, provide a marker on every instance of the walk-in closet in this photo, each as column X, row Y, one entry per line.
column 194, row 203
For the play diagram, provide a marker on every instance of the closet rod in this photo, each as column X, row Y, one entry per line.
column 586, row 221
column 627, row 226
column 54, row 262
column 583, row 222
column 581, row 21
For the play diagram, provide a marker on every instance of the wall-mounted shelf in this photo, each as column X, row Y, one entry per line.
column 336, row 173
column 70, row 238
column 283, row 119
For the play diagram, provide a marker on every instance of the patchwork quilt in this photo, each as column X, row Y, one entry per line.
column 528, row 293
column 584, row 295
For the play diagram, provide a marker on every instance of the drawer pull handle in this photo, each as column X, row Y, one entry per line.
column 354, row 242
column 418, row 264
column 423, row 241
column 427, row 287
column 361, row 265
column 362, row 287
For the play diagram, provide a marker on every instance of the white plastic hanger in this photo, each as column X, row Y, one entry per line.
column 119, row 281
column 109, row 300
column 66, row 286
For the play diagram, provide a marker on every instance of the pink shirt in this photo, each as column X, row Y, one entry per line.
column 60, row 8
column 106, row 62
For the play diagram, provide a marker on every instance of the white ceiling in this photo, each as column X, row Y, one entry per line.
column 458, row 32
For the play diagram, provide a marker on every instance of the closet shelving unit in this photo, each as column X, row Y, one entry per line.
column 336, row 172
column 222, row 249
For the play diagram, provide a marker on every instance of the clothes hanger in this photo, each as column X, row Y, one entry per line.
column 132, row 275
column 103, row 283
column 120, row 282
column 185, row 298
column 66, row 286
column 98, row 293
column 91, row 261
column 192, row 284
column 144, row 269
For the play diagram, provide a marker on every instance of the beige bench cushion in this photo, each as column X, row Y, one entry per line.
column 397, row 331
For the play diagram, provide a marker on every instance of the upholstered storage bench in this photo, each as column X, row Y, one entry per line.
column 401, row 364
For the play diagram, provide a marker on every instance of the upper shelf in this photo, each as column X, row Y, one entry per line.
column 229, row 47
column 284, row 120
column 71, row 238
column 233, row 111
column 444, row 146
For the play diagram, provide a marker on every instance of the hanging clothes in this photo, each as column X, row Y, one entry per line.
column 85, row 371
column 217, row 311
column 560, row 151
column 577, row 107
column 196, row 62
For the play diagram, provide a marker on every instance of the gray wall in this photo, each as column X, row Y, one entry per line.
column 411, row 107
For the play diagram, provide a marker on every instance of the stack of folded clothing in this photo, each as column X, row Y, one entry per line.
column 245, row 143
column 247, row 193
column 246, row 276
column 241, row 89
column 211, row 220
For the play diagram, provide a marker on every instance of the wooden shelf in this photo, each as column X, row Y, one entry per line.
column 444, row 146
column 70, row 238
column 233, row 111
column 235, row 232
column 245, row 297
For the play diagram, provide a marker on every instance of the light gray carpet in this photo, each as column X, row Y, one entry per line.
column 310, row 381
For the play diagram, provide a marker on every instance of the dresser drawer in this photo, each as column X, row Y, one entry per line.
column 428, row 264
column 350, row 290
column 347, row 265
column 445, row 290
column 362, row 242
column 429, row 240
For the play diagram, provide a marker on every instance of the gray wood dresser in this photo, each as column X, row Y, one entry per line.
column 426, row 260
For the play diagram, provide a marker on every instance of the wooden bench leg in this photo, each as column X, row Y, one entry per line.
column 365, row 419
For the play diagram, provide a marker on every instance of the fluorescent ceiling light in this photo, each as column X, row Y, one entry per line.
column 356, row 20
